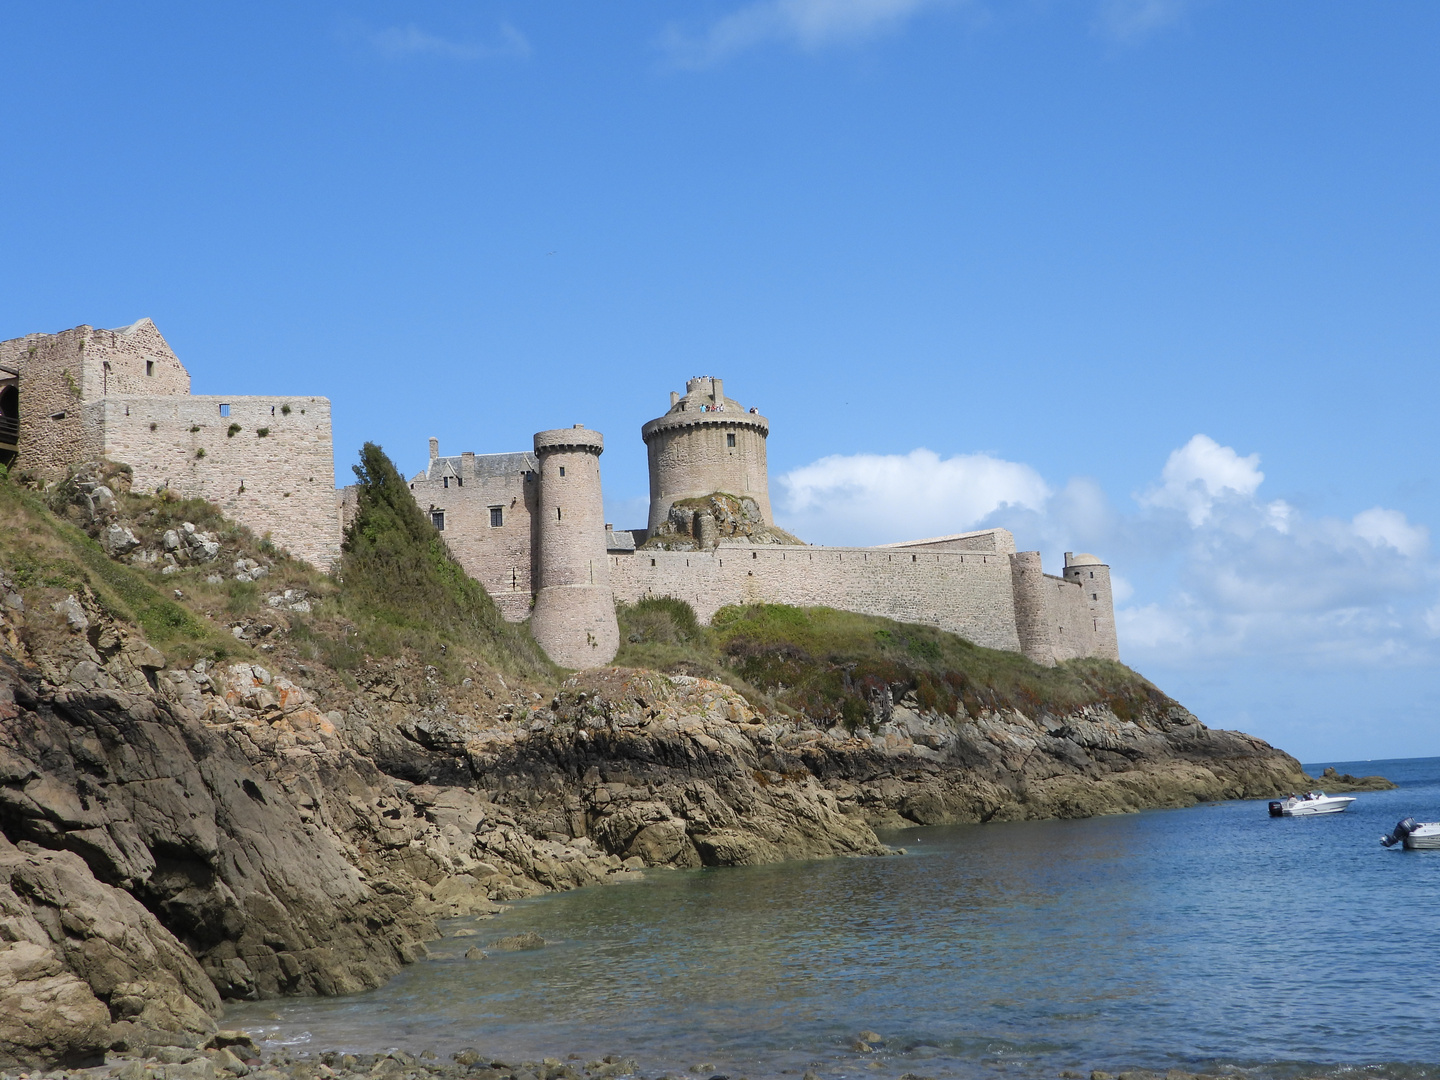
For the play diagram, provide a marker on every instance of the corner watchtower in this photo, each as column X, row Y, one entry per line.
column 1093, row 577
column 706, row 443
column 574, row 619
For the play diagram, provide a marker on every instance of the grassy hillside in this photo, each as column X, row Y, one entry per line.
column 397, row 592
column 831, row 665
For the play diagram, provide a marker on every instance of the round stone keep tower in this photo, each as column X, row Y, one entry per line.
column 704, row 444
column 574, row 618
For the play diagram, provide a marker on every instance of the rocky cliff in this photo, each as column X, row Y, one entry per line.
column 176, row 830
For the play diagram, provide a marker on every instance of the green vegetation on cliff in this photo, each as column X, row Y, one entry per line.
column 403, row 588
column 397, row 592
column 835, row 665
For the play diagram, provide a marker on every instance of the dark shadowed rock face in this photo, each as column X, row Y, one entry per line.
column 163, row 867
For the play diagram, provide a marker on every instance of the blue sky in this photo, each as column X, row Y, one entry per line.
column 1152, row 278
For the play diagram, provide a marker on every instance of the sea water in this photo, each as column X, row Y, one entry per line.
column 1211, row 938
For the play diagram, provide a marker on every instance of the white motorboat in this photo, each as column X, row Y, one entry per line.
column 1415, row 835
column 1309, row 804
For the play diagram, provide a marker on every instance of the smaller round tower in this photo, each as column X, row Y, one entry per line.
column 1031, row 624
column 704, row 444
column 574, row 618
column 1093, row 577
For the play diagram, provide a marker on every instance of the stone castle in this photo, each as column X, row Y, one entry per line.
column 530, row 525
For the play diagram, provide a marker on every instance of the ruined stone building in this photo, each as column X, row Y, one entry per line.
column 122, row 394
column 527, row 526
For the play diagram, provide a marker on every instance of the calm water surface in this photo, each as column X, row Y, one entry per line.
column 1214, row 937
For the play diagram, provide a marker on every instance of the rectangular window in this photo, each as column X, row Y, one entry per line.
column 562, row 470
column 225, row 410
column 557, row 513
column 445, row 480
column 1094, row 596
column 729, row 440
column 497, row 517
column 149, row 367
column 437, row 518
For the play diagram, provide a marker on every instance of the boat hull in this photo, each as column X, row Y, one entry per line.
column 1425, row 838
column 1312, row 807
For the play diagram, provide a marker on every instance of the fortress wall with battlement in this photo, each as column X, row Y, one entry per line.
column 282, row 483
column 966, row 593
column 466, row 489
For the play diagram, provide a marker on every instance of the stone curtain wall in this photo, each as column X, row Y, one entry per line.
column 969, row 594
column 282, row 484
column 500, row 558
column 983, row 540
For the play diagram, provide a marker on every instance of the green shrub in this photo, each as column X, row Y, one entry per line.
column 403, row 589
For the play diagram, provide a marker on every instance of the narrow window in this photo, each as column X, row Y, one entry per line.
column 437, row 518
column 562, row 470
column 225, row 410
column 149, row 367
column 729, row 440
column 459, row 481
column 1092, row 573
column 652, row 562
column 445, row 480
column 557, row 513
column 1094, row 596
column 497, row 517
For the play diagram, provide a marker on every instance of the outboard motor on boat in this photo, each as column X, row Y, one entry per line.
column 1277, row 808
column 1403, row 829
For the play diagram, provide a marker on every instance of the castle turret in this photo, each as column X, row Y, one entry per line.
column 574, row 619
column 1093, row 577
column 1032, row 622
column 706, row 443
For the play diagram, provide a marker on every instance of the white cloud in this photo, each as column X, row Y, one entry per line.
column 1388, row 528
column 400, row 42
column 1201, row 473
column 874, row 498
column 807, row 24
column 1206, row 569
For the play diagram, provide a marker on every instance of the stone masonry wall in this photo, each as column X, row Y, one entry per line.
column 1069, row 625
column 61, row 372
column 966, row 593
column 282, row 483
column 53, row 433
column 1096, row 607
column 574, row 617
column 466, row 489
column 692, row 462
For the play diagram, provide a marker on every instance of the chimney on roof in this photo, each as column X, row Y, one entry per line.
column 434, row 448
column 674, row 399
column 467, row 465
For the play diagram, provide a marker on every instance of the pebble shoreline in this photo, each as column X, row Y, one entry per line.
column 238, row 1057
